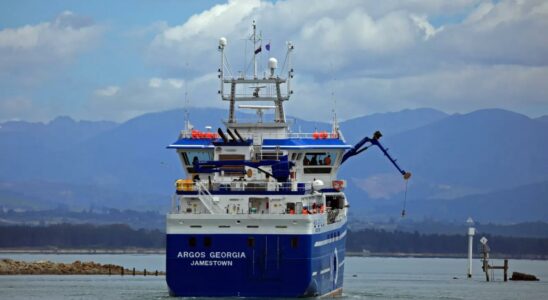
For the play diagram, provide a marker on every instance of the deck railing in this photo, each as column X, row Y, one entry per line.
column 286, row 135
column 245, row 186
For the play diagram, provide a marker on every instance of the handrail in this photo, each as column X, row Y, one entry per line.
column 207, row 199
column 248, row 186
column 285, row 135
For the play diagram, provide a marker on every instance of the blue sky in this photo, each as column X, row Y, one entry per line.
column 114, row 60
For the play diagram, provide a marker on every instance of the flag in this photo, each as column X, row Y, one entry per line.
column 258, row 50
column 267, row 46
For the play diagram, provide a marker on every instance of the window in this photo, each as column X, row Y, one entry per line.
column 233, row 170
column 199, row 156
column 271, row 155
column 294, row 242
column 190, row 156
column 207, row 241
column 319, row 162
column 251, row 242
column 192, row 241
column 319, row 158
column 317, row 170
column 335, row 201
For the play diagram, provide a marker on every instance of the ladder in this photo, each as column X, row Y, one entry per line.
column 210, row 202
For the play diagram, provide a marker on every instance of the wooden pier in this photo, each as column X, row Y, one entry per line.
column 486, row 266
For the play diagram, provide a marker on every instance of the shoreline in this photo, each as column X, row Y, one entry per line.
column 348, row 253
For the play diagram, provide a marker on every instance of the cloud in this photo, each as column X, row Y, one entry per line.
column 141, row 96
column 379, row 56
column 107, row 91
column 14, row 108
column 156, row 82
column 28, row 53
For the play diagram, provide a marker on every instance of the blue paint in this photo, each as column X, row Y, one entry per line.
column 274, row 265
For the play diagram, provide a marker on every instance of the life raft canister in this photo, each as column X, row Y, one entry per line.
column 179, row 185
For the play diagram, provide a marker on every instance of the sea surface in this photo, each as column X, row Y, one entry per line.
column 365, row 278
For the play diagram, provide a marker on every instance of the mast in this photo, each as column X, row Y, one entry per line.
column 259, row 88
column 254, row 36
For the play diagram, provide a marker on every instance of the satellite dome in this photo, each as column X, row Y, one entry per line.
column 272, row 63
column 222, row 42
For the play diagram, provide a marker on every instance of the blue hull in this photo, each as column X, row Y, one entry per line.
column 255, row 265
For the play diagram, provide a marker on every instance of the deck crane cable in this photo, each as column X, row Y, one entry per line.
column 404, row 198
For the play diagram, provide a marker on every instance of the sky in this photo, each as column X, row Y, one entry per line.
column 116, row 60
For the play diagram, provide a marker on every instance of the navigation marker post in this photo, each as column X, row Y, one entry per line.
column 471, row 232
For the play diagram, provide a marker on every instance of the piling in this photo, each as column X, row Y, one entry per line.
column 486, row 267
column 145, row 272
column 133, row 271
column 506, row 270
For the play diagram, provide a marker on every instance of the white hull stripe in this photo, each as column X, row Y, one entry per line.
column 325, row 271
column 341, row 264
column 329, row 241
column 314, row 273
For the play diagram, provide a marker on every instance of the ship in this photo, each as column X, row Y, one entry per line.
column 261, row 211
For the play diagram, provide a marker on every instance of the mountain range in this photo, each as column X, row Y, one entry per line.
column 489, row 163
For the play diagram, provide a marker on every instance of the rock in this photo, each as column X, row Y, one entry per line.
column 517, row 276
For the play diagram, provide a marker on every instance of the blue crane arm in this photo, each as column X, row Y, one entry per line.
column 280, row 168
column 360, row 147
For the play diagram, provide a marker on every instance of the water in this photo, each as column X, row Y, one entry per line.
column 365, row 278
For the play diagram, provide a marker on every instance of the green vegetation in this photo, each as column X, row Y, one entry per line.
column 121, row 236
column 381, row 241
column 73, row 236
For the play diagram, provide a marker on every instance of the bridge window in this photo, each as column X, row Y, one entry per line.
column 319, row 158
column 189, row 157
column 318, row 162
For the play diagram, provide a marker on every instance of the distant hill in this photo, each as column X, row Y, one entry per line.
column 542, row 119
column 390, row 123
column 520, row 204
column 451, row 157
column 459, row 155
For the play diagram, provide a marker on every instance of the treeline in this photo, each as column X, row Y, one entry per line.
column 381, row 241
column 74, row 236
column 136, row 219
column 121, row 236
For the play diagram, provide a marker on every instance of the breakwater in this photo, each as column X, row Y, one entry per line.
column 15, row 267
